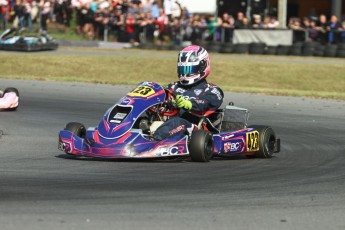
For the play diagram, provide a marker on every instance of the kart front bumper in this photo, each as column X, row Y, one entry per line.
column 131, row 145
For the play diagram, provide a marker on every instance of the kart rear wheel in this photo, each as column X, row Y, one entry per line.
column 12, row 90
column 267, row 141
column 201, row 146
column 76, row 128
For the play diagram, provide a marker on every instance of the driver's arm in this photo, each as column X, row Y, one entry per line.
column 211, row 100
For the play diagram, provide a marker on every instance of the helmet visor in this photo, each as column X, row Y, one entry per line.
column 187, row 71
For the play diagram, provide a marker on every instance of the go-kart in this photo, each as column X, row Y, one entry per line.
column 126, row 131
column 9, row 99
column 26, row 43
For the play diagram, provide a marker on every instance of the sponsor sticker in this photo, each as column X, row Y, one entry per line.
column 171, row 151
column 125, row 100
column 252, row 141
column 233, row 146
column 64, row 147
column 147, row 83
column 142, row 91
column 115, row 121
column 197, row 91
column 177, row 129
column 216, row 91
column 120, row 115
column 227, row 137
column 118, row 118
column 179, row 90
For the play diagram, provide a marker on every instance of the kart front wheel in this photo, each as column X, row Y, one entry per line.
column 267, row 141
column 76, row 128
column 201, row 146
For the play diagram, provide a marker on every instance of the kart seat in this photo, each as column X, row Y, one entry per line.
column 214, row 121
column 211, row 120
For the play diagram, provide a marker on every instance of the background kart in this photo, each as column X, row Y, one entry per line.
column 26, row 43
column 126, row 131
column 9, row 99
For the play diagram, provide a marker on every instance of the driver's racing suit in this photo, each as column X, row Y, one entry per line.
column 204, row 96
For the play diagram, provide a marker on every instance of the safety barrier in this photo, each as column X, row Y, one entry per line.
column 267, row 42
column 296, row 49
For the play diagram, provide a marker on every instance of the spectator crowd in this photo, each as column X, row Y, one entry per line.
column 318, row 29
column 139, row 21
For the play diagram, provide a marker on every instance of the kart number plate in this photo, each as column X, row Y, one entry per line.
column 252, row 142
column 142, row 91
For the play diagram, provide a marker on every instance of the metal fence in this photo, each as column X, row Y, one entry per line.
column 178, row 35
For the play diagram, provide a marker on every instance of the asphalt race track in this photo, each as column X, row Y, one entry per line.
column 303, row 187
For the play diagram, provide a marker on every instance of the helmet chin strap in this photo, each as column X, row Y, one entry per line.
column 189, row 81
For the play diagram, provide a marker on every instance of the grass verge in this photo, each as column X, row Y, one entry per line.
column 296, row 76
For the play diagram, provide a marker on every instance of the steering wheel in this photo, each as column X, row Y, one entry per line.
column 167, row 108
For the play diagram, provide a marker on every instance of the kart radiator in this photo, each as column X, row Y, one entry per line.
column 235, row 118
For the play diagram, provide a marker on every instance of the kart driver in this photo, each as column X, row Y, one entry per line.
column 193, row 92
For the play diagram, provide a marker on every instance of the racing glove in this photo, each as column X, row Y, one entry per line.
column 183, row 103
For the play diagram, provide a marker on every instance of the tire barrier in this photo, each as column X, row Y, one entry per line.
column 283, row 50
column 341, row 53
column 226, row 48
column 214, row 47
column 270, row 50
column 297, row 49
column 309, row 48
column 330, row 50
column 241, row 48
column 257, row 48
column 319, row 50
column 341, row 50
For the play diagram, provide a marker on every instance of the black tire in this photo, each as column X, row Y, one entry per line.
column 331, row 50
column 226, row 48
column 76, row 128
column 11, row 89
column 295, row 51
column 309, row 48
column 214, row 47
column 271, row 50
column 341, row 53
column 257, row 48
column 241, row 48
column 341, row 46
column 175, row 47
column 309, row 45
column 201, row 146
column 319, row 53
column 308, row 51
column 330, row 53
column 283, row 50
column 267, row 141
column 297, row 45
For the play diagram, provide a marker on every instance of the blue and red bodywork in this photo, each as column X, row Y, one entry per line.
column 245, row 141
column 115, row 137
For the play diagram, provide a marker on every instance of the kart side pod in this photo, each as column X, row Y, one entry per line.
column 238, row 138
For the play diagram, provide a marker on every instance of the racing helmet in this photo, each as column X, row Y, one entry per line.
column 193, row 64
